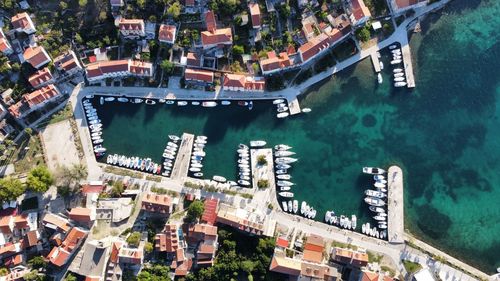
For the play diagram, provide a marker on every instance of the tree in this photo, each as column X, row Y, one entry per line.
column 174, row 10
column 117, row 189
column 82, row 3
column 238, row 50
column 4, row 271
column 195, row 210
column 70, row 276
column 261, row 160
column 39, row 179
column 148, row 247
column 63, row 5
column 363, row 34
column 37, row 262
column 167, row 66
column 134, row 238
column 34, row 275
column 10, row 189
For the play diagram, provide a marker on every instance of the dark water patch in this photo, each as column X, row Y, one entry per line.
column 432, row 222
column 369, row 121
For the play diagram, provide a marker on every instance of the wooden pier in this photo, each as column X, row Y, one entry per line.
column 408, row 66
column 395, row 201
column 183, row 158
column 294, row 106
column 375, row 62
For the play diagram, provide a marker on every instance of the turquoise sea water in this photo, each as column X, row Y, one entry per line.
column 445, row 134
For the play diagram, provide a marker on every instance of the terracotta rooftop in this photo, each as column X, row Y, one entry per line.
column 41, row 95
column 210, row 21
column 67, row 61
column 217, row 37
column 246, row 82
column 60, row 223
column 210, row 212
column 131, row 24
column 104, row 67
column 21, row 20
column 406, row 3
column 92, row 187
column 255, row 14
column 314, row 46
column 167, row 33
column 80, row 214
column 199, row 75
column 40, row 77
column 275, row 62
column 286, row 266
column 167, row 240
column 141, row 68
column 36, row 56
column 281, row 242
column 359, row 9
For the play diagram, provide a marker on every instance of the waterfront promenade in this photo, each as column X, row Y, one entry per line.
column 183, row 158
column 395, row 205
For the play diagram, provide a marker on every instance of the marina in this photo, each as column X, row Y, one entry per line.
column 181, row 164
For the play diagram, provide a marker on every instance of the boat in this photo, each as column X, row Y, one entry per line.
column 376, row 209
column 278, row 101
column 285, row 206
column 285, row 160
column 242, row 103
column 101, row 100
column 91, row 110
column 399, row 74
column 286, row 194
column 137, row 100
column 392, row 47
column 295, row 206
column 194, row 169
column 232, row 183
column 282, row 109
column 382, row 226
column 282, row 115
column 243, row 182
column 92, row 114
column 379, row 218
column 379, row 184
column 396, row 51
column 242, row 150
column 219, row 179
column 399, row 84
column 195, row 103
column 99, row 149
column 257, row 143
column 93, row 122
column 150, row 102
column 89, row 96
column 225, row 102
column 197, row 165
column 306, row 110
column 383, row 214
column 167, row 164
column 399, row 79
column 303, row 206
column 109, row 99
column 201, row 141
column 397, row 70
column 374, row 193
column 169, row 102
column 182, row 103
column 281, row 172
column 97, row 141
column 354, row 221
column 377, row 202
column 378, row 177
column 282, row 147
column 284, row 183
column 90, row 118
column 396, row 57
column 283, row 166
column 174, row 138
column 379, row 78
column 245, row 178
column 96, row 134
column 328, row 216
column 250, row 105
column 373, row 171
column 395, row 61
column 284, row 177
column 382, row 181
column 209, row 104
column 122, row 99
column 381, row 64
column 242, row 161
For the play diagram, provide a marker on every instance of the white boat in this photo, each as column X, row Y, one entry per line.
column 285, row 160
column 284, row 177
column 98, row 141
column 209, row 104
column 374, row 193
column 97, row 121
column 122, row 99
column 295, row 206
column 376, row 209
column 93, row 114
column 395, row 61
column 379, row 78
column 243, row 182
column 397, row 70
column 382, row 214
column 392, row 47
column 382, row 181
column 89, row 96
column 245, row 178
column 174, row 137
column 290, row 206
column 150, row 102
column 282, row 109
column 373, row 171
column 284, row 183
column 101, row 100
column 328, row 216
column 282, row 114
column 91, row 110
column 354, row 221
column 363, row 228
column 378, row 177
column 286, row 194
column 381, row 64
column 201, row 141
column 278, row 101
column 169, row 102
column 109, row 99
column 377, row 202
column 281, row 105
column 137, row 100
column 396, row 57
column 196, row 165
column 282, row 147
column 285, row 206
column 396, row 51
column 195, row 103
column 283, row 166
column 399, row 84
column 219, row 179
column 182, row 103
column 303, row 206
column 399, row 79
column 96, row 134
column 399, row 74
column 194, row 169
column 99, row 150
column 225, row 102
column 379, row 185
column 379, row 218
column 306, row 110
column 257, row 143
column 232, row 183
column 382, row 226
column 281, row 172
column 172, row 144
column 93, row 118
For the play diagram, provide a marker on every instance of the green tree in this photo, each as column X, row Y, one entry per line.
column 82, row 3
column 148, row 247
column 174, row 10
column 167, row 66
column 10, row 189
column 238, row 50
column 63, row 5
column 195, row 210
column 39, row 179
column 117, row 189
column 4, row 271
column 134, row 238
column 70, row 276
column 37, row 262
column 34, row 275
column 363, row 34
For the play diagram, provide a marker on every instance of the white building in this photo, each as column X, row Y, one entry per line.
column 118, row 69
column 132, row 28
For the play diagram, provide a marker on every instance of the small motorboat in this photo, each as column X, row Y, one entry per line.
column 169, row 102
column 284, row 183
column 98, row 141
column 381, row 64
column 283, row 166
column 286, row 194
column 374, row 193
column 278, row 101
column 392, row 47
column 232, row 183
column 376, row 209
column 285, row 206
column 209, row 104
column 197, row 165
column 285, row 188
column 285, row 160
column 397, row 70
column 257, row 143
column 109, row 99
column 282, row 147
column 379, row 78
column 161, row 100
column 182, row 103
column 379, row 184
column 382, row 226
column 122, row 99
column 399, row 74
column 219, row 179
column 306, row 110
column 281, row 172
column 150, row 102
column 93, row 118
column 282, row 109
column 395, row 61
column 282, row 115
column 399, row 84
column 99, row 150
column 382, row 181
column 244, row 182
column 295, row 206
column 199, row 175
column 284, row 177
column 242, row 103
column 101, row 100
column 373, row 171
column 379, row 218
column 377, row 202
column 174, row 138
column 93, row 122
column 89, row 96
column 194, row 169
column 96, row 134
column 399, row 79
column 225, row 102
column 195, row 103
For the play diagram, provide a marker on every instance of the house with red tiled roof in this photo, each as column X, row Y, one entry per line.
column 275, row 63
column 255, row 15
column 243, row 83
column 210, row 211
column 214, row 37
column 198, row 76
column 159, row 204
column 373, row 276
column 34, row 100
column 350, row 257
column 41, row 78
column 132, row 28
column 301, row 269
column 281, row 242
column 358, row 12
column 92, row 187
column 401, row 6
column 5, row 46
column 22, row 23
column 314, row 47
column 140, row 68
column 56, row 223
column 118, row 69
column 31, row 239
column 167, row 241
column 68, row 63
column 193, row 59
column 83, row 216
column 167, row 33
column 204, row 237
column 313, row 249
column 36, row 56
column 132, row 257
column 10, row 249
column 61, row 254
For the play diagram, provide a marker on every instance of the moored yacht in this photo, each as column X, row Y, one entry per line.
column 399, row 84
column 122, row 99
column 377, row 202
column 219, row 179
column 379, row 78
column 282, row 147
column 257, row 143
column 209, row 104
column 286, row 194
column 278, row 101
column 282, row 115
column 373, row 171
column 397, row 70
column 295, row 206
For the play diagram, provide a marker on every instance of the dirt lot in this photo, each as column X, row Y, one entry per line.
column 58, row 141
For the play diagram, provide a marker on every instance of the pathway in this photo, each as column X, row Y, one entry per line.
column 181, row 164
column 395, row 202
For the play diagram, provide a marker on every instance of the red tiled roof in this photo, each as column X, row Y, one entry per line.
column 58, row 256
column 5, row 224
column 314, row 46
column 92, row 188
column 274, row 62
column 167, row 33
column 4, row 44
column 406, row 3
column 141, row 68
column 80, row 214
column 21, row 221
column 36, row 56
column 369, row 276
column 167, row 240
column 210, row 212
column 31, row 238
column 193, row 59
column 67, row 61
column 41, row 95
column 131, row 24
column 255, row 14
column 52, row 219
column 241, row 81
column 158, row 203
column 282, row 242
column 210, row 21
column 217, row 37
column 115, row 250
column 40, row 77
column 21, row 20
column 359, row 9
column 285, row 266
column 104, row 67
column 199, row 75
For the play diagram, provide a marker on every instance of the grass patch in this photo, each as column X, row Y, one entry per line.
column 411, row 267
column 61, row 115
column 122, row 172
column 344, row 245
column 25, row 154
column 153, row 178
column 373, row 257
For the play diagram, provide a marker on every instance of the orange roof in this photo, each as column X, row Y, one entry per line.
column 206, row 249
column 41, row 95
column 359, row 9
column 217, row 37
column 255, row 14
column 5, row 224
column 282, row 242
column 246, row 82
column 58, row 256
column 73, row 238
column 210, row 21
column 57, row 221
column 193, row 59
column 67, row 61
column 314, row 46
column 21, row 20
column 210, row 212
column 167, row 33
column 199, row 75
column 156, row 203
column 36, row 56
column 406, row 3
column 115, row 250
column 131, row 24
column 274, row 62
column 21, row 221
column 141, row 68
column 167, row 241
column 285, row 266
column 80, row 214
column 205, row 229
column 31, row 238
column 104, row 67
column 40, row 77
column 92, row 188
column 369, row 276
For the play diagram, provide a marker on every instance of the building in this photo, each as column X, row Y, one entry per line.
column 132, row 257
column 252, row 223
column 132, row 28
column 373, row 276
column 243, row 83
column 198, row 77
column 313, row 249
column 204, row 237
column 167, row 33
column 118, row 69
column 350, row 257
column 91, row 260
column 15, row 275
column 68, row 63
column 255, row 15
column 314, row 47
column 84, row 216
column 210, row 211
column 167, row 241
column 157, row 204
column 359, row 13
column 214, row 37
column 275, row 63
column 5, row 128
column 36, row 56
column 22, row 23
column 423, row 274
column 401, row 6
column 34, row 101
column 116, row 3
column 92, row 187
column 61, row 254
column 56, row 223
column 303, row 270
column 41, row 78
column 5, row 46
column 193, row 60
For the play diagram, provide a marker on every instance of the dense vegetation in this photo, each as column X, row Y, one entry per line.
column 194, row 211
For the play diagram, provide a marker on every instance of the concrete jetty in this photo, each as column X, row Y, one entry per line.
column 395, row 201
column 408, row 66
column 294, row 106
column 181, row 165
column 375, row 62
column 262, row 172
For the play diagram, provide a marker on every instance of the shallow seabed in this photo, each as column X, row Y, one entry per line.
column 444, row 134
